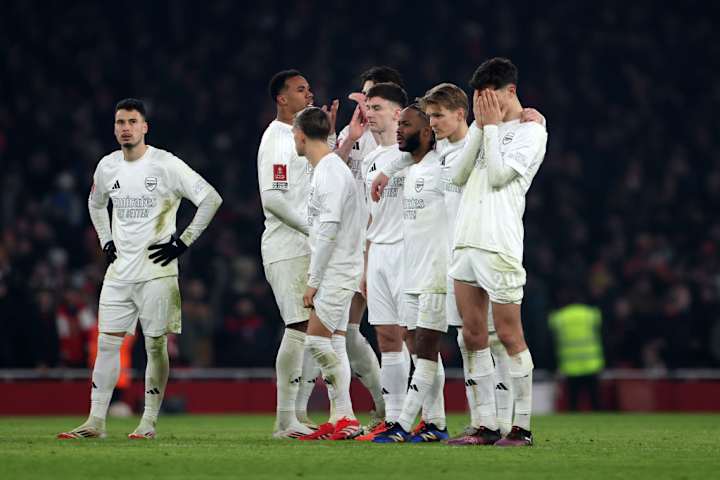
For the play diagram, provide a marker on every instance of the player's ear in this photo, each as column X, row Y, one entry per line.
column 512, row 89
column 145, row 127
column 281, row 100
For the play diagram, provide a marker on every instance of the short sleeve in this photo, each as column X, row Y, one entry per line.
column 524, row 146
column 332, row 193
column 187, row 182
column 274, row 165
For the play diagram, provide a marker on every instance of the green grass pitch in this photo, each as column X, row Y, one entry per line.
column 602, row 446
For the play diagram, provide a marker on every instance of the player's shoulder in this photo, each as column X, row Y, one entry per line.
column 111, row 159
column 530, row 130
column 277, row 129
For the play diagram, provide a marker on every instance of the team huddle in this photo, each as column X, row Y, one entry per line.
column 416, row 216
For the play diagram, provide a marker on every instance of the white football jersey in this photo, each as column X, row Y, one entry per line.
column 280, row 168
column 145, row 195
column 491, row 218
column 360, row 150
column 449, row 152
column 386, row 225
column 334, row 198
column 425, row 227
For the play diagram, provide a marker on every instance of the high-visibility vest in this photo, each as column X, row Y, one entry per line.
column 578, row 339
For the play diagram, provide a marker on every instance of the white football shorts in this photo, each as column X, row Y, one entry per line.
column 385, row 284
column 155, row 302
column 288, row 280
column 425, row 310
column 500, row 275
column 332, row 306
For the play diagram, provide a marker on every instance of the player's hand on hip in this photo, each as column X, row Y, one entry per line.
column 309, row 297
column 532, row 115
column 490, row 110
column 378, row 186
column 167, row 252
column 110, row 252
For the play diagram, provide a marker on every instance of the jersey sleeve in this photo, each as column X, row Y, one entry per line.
column 527, row 143
column 274, row 165
column 187, row 183
column 99, row 195
column 332, row 192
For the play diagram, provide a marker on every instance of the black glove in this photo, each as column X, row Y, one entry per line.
column 110, row 252
column 167, row 252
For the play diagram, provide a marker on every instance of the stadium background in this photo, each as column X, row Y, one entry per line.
column 624, row 212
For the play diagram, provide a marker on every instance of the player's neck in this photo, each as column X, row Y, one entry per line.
column 316, row 151
column 420, row 153
column 458, row 134
column 514, row 112
column 389, row 136
column 133, row 153
column 285, row 116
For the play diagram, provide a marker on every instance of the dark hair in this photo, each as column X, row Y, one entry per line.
column 313, row 122
column 277, row 82
column 382, row 74
column 496, row 73
column 391, row 92
column 132, row 104
column 446, row 95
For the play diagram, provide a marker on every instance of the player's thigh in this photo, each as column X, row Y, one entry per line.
column 288, row 280
column 357, row 308
column 332, row 305
column 160, row 306
column 117, row 311
column 472, row 302
column 431, row 312
column 500, row 275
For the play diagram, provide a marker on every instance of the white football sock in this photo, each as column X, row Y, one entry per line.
column 420, row 386
column 394, row 372
column 434, row 406
column 503, row 385
column 364, row 363
column 310, row 372
column 288, row 370
column 156, row 376
column 521, row 368
column 334, row 374
column 481, row 377
column 469, row 391
column 339, row 345
column 105, row 374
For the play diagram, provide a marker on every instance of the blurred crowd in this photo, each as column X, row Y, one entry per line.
column 624, row 214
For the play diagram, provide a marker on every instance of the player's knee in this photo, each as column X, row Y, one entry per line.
column 511, row 338
column 475, row 337
column 156, row 346
column 389, row 338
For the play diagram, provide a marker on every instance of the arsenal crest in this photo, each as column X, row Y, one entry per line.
column 151, row 183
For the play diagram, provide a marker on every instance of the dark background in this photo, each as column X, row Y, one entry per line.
column 624, row 213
